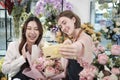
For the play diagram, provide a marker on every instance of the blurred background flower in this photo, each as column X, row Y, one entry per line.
column 112, row 27
column 47, row 10
column 107, row 62
column 19, row 7
column 15, row 8
column 110, row 31
column 89, row 29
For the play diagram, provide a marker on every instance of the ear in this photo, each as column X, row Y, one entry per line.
column 74, row 19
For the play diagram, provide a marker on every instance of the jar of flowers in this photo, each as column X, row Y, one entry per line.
column 15, row 9
column 47, row 11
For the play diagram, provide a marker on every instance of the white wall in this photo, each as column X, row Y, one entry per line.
column 82, row 9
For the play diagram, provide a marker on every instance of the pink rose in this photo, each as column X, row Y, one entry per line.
column 82, row 78
column 106, row 78
column 38, row 64
column 40, row 67
column 49, row 71
column 115, row 50
column 96, row 51
column 88, row 73
column 101, row 48
column 49, row 62
column 58, row 67
column 115, row 71
column 103, row 58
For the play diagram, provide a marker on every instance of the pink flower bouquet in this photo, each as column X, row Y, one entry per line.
column 49, row 67
column 43, row 68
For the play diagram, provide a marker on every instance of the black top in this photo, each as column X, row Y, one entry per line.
column 73, row 70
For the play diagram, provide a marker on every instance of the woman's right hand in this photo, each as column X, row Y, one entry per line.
column 24, row 50
column 68, row 50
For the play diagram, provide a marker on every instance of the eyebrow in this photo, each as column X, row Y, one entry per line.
column 34, row 26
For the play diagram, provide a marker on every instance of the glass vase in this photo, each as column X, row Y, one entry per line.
column 16, row 28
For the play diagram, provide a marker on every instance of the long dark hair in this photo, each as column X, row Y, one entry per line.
column 23, row 40
column 70, row 14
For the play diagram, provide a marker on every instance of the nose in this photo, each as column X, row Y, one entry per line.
column 32, row 31
column 63, row 29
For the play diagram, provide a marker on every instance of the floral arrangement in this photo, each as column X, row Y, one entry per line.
column 47, row 10
column 105, row 66
column 42, row 66
column 111, row 31
column 49, row 67
column 89, row 29
column 15, row 8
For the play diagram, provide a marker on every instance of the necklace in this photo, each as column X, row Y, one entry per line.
column 73, row 40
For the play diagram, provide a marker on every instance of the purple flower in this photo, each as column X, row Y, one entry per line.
column 50, row 9
column 54, row 29
column 67, row 6
column 109, row 23
column 44, row 7
column 116, row 38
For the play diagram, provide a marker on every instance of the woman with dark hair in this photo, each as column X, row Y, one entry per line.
column 15, row 60
column 78, row 47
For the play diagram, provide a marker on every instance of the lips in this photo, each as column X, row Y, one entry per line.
column 32, row 36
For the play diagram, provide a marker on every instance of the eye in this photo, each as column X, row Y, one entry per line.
column 36, row 29
column 28, row 28
column 64, row 23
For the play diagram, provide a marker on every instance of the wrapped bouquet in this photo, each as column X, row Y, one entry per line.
column 54, row 63
column 44, row 68
column 49, row 67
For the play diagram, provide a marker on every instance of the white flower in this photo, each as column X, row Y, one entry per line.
column 113, row 77
column 42, row 19
column 106, row 68
column 100, row 75
column 49, row 23
column 105, row 29
column 116, row 30
column 117, row 23
column 111, row 63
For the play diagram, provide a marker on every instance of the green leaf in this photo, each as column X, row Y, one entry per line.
column 17, row 10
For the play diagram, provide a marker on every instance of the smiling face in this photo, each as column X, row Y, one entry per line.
column 32, row 32
column 67, row 25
